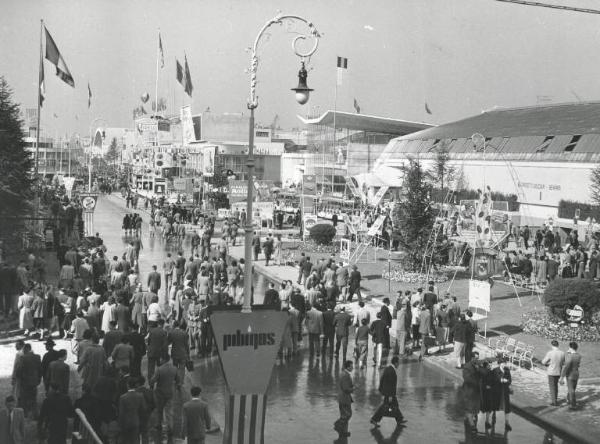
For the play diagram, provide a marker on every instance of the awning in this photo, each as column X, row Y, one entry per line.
column 382, row 176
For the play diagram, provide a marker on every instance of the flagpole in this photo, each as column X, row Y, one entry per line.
column 156, row 84
column 334, row 136
column 37, row 132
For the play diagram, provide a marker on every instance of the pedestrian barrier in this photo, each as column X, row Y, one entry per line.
column 85, row 434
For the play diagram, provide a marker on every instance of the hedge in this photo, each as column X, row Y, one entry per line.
column 566, row 210
column 562, row 294
column 322, row 233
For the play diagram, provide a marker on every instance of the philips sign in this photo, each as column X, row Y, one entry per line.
column 249, row 339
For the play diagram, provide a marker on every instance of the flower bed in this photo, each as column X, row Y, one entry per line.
column 542, row 323
column 409, row 277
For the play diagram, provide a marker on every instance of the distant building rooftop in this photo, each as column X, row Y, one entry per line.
column 362, row 122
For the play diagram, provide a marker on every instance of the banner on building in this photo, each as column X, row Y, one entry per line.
column 208, row 161
column 238, row 190
column 375, row 229
column 379, row 195
column 187, row 124
column 479, row 294
column 308, row 221
column 264, row 189
column 183, row 185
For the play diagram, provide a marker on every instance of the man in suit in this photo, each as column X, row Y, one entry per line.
column 570, row 371
column 179, row 267
column 180, row 347
column 328, row 329
column 345, row 390
column 168, row 266
column 54, row 414
column 132, row 414
column 122, row 313
column 111, row 338
column 425, row 329
column 256, row 245
column 154, row 280
column 164, row 381
column 59, row 372
column 387, row 387
column 12, row 423
column 314, row 326
column 158, row 344
column 342, row 323
column 386, row 317
column 555, row 360
column 29, row 376
column 196, row 418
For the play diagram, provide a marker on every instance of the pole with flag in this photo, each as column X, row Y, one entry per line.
column 39, row 106
column 159, row 57
column 342, row 65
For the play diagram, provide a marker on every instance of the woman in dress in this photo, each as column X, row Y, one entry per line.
column 135, row 303
column 108, row 313
column 285, row 294
column 24, row 306
column 277, row 249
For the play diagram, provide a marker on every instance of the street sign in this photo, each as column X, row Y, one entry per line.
column 247, row 345
column 88, row 201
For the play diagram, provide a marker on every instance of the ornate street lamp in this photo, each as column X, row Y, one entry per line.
column 302, row 96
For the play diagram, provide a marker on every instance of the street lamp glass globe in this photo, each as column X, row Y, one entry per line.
column 302, row 96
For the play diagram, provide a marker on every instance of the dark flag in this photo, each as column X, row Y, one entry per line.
column 188, row 87
column 427, row 108
column 179, row 72
column 54, row 55
column 162, row 54
column 342, row 65
column 89, row 95
column 356, row 107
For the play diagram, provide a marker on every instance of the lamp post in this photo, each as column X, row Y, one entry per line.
column 302, row 96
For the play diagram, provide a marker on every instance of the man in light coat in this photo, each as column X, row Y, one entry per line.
column 314, row 326
column 555, row 360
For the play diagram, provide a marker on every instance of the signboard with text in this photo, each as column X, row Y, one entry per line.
column 247, row 345
column 238, row 190
column 479, row 294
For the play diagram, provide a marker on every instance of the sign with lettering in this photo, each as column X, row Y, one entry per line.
column 479, row 294
column 247, row 345
column 238, row 190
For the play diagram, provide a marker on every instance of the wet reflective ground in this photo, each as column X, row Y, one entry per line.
column 302, row 403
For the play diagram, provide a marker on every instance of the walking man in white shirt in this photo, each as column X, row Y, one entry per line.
column 555, row 360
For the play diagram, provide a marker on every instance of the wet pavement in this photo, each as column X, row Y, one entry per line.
column 302, row 403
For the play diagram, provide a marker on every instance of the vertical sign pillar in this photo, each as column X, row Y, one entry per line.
column 247, row 345
column 88, row 202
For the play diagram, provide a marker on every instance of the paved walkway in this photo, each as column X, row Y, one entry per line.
column 530, row 385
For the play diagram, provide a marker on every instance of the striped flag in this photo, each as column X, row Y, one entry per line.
column 54, row 55
column 245, row 419
column 42, row 83
column 160, row 49
column 342, row 65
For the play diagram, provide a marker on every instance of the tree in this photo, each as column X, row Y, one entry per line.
column 595, row 185
column 16, row 164
column 413, row 216
column 441, row 171
column 112, row 153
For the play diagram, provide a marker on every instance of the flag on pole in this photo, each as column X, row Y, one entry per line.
column 427, row 110
column 89, row 95
column 42, row 87
column 54, row 55
column 162, row 54
column 188, row 87
column 356, row 106
column 342, row 64
column 179, row 72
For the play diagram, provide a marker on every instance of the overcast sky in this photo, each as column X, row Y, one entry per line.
column 459, row 56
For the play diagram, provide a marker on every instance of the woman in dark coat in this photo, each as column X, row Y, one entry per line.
column 491, row 392
column 503, row 374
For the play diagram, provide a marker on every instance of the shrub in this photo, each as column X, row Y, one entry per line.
column 567, row 208
column 322, row 233
column 565, row 293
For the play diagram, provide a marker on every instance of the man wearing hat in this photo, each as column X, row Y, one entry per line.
column 50, row 356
